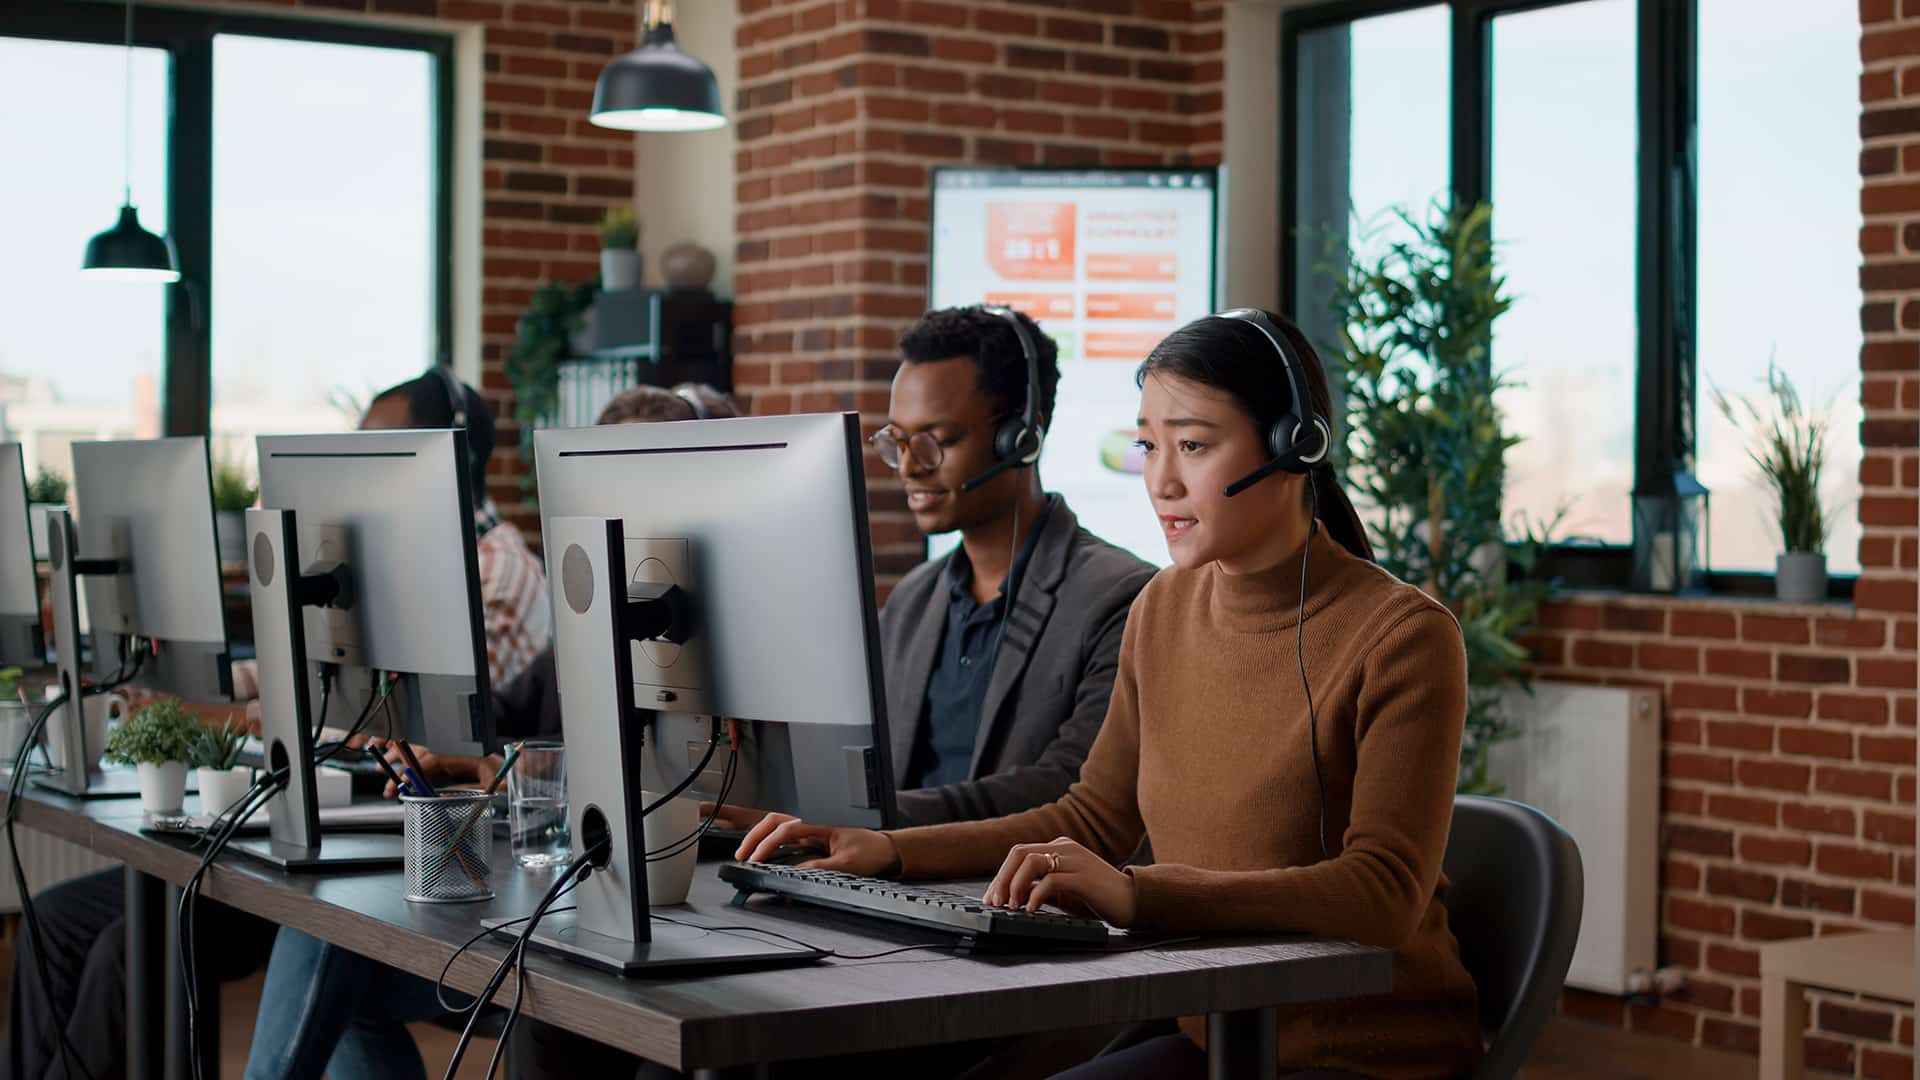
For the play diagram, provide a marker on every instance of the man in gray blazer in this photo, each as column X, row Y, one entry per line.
column 991, row 710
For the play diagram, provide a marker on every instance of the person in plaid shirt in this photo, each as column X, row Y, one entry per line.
column 82, row 920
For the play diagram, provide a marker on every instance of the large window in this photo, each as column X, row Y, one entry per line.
column 1563, row 199
column 79, row 359
column 300, row 169
column 1779, row 252
column 323, row 232
column 1674, row 188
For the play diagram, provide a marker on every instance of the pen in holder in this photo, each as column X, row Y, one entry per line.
column 449, row 846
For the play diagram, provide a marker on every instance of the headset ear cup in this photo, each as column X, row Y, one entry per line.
column 1326, row 442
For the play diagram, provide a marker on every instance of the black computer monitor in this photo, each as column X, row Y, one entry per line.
column 717, row 568
column 364, row 571
column 142, row 537
column 22, row 643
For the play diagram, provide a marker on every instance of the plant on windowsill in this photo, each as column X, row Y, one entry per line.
column 233, row 493
column 619, row 241
column 1788, row 444
column 215, row 757
column 1425, row 451
column 544, row 339
column 47, row 490
column 158, row 740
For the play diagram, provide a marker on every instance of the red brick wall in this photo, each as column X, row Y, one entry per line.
column 843, row 106
column 1788, row 807
column 548, row 173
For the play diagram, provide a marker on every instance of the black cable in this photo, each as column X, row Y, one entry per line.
column 263, row 790
column 680, row 846
column 581, row 865
column 1300, row 658
column 713, row 743
column 326, row 699
column 15, row 785
column 325, row 752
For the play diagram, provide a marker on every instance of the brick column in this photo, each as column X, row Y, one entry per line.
column 844, row 104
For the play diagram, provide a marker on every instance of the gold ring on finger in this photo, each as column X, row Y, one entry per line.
column 1053, row 862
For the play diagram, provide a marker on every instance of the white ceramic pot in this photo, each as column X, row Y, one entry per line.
column 1800, row 577
column 163, row 788
column 619, row 269
column 222, row 788
column 669, row 879
column 15, row 718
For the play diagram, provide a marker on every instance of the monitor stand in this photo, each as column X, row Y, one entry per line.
column 669, row 946
column 279, row 594
column 595, row 622
column 343, row 851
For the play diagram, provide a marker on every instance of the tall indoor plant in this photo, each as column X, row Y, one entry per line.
column 1426, row 449
column 1788, row 444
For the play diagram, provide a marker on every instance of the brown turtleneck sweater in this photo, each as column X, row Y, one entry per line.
column 1205, row 750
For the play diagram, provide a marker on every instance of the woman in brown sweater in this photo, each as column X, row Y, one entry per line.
column 1271, row 634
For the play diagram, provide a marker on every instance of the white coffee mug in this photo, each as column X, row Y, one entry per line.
column 669, row 879
column 100, row 709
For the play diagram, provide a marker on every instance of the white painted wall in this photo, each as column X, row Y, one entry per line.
column 683, row 181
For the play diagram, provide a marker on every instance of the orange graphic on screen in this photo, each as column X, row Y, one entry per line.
column 1129, row 345
column 1130, row 306
column 1031, row 241
column 1035, row 305
column 1111, row 267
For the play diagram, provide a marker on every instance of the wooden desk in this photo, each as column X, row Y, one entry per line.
column 1878, row 964
column 711, row 1023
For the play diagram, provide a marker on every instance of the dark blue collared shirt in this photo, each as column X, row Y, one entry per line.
column 962, row 670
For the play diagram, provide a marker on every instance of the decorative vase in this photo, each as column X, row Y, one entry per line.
column 163, row 788
column 619, row 270
column 37, row 525
column 687, row 265
column 1800, row 577
column 222, row 788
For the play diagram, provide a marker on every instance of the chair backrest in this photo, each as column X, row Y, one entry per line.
column 1514, row 904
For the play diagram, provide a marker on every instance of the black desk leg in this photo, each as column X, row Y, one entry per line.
column 179, row 1062
column 1243, row 1045
column 146, row 947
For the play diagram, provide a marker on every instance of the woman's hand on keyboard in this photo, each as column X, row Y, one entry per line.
column 862, row 852
column 1066, row 875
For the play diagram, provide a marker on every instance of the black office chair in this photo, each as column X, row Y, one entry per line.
column 1514, row 905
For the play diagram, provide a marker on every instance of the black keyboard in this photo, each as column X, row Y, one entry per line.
column 928, row 907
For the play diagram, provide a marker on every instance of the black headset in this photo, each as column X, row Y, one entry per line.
column 1018, row 440
column 693, row 401
column 456, row 395
column 1298, row 440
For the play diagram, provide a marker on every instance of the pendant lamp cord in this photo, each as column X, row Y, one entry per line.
column 126, row 120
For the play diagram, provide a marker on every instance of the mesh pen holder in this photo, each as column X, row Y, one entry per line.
column 448, row 854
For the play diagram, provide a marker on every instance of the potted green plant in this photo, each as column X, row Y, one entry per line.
column 233, row 493
column 1425, row 447
column 14, row 716
column 158, row 740
column 215, row 757
column 619, row 244
column 1788, row 444
column 47, row 490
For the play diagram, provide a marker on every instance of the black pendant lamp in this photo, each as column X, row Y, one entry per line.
column 128, row 252
column 656, row 87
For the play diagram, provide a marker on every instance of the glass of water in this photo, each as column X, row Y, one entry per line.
column 537, row 804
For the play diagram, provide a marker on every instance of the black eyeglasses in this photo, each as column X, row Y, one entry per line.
column 892, row 447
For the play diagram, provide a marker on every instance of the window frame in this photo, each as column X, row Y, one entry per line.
column 187, row 36
column 1666, row 238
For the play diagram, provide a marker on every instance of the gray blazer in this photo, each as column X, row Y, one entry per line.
column 1047, row 696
